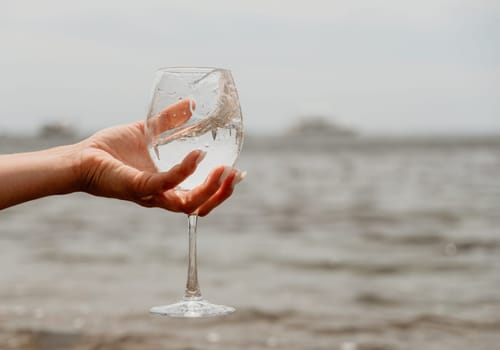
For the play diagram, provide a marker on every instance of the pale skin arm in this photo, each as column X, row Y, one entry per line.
column 27, row 176
column 112, row 163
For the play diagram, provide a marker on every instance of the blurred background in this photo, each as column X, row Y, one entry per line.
column 370, row 215
column 380, row 66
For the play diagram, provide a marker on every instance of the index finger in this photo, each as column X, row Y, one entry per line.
column 173, row 116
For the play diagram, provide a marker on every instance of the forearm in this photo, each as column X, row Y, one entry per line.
column 27, row 176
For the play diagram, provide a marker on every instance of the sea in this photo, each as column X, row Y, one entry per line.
column 359, row 243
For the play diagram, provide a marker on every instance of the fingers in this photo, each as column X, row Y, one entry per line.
column 224, row 192
column 202, row 193
column 218, row 186
column 181, row 171
column 188, row 201
column 148, row 184
column 173, row 116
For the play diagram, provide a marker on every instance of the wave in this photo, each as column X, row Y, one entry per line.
column 34, row 339
column 444, row 323
column 431, row 239
column 82, row 258
column 377, row 268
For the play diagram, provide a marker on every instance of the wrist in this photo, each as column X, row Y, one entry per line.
column 62, row 168
column 72, row 157
column 32, row 175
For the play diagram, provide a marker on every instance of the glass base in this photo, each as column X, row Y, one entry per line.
column 192, row 308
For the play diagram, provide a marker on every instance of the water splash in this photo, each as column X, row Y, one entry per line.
column 226, row 108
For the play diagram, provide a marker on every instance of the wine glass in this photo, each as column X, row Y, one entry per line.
column 193, row 108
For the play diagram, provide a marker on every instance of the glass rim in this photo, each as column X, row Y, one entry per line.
column 190, row 69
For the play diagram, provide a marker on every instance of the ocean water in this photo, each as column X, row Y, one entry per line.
column 352, row 244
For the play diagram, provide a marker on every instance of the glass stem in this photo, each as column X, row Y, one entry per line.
column 192, row 286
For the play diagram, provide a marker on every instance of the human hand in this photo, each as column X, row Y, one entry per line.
column 115, row 163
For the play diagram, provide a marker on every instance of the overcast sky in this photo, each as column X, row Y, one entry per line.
column 427, row 66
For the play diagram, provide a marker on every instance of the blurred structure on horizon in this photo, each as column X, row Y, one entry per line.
column 320, row 126
column 57, row 129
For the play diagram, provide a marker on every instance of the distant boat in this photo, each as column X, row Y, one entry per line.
column 56, row 129
column 320, row 126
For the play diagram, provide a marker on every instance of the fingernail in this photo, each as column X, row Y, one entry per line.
column 224, row 175
column 201, row 156
column 240, row 175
